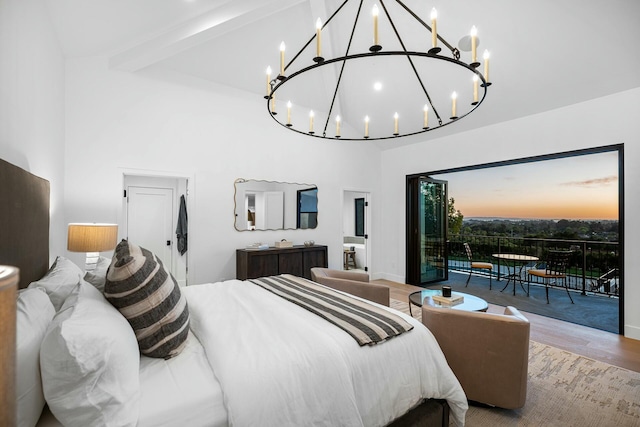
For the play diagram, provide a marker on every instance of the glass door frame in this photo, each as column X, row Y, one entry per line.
column 413, row 241
column 619, row 148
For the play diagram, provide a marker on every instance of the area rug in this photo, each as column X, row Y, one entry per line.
column 564, row 389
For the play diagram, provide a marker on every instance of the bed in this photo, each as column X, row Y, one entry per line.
column 250, row 356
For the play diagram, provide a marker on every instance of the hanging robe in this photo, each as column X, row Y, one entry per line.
column 181, row 229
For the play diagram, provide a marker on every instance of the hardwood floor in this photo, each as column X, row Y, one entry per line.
column 593, row 343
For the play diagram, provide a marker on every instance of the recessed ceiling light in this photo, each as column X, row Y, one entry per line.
column 377, row 86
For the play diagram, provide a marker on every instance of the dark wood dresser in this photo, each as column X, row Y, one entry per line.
column 297, row 260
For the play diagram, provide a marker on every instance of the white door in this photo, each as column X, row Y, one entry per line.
column 269, row 207
column 274, row 210
column 150, row 220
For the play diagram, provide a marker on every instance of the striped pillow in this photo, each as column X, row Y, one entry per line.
column 148, row 296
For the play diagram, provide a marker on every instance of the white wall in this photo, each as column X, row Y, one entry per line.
column 32, row 102
column 604, row 121
column 120, row 120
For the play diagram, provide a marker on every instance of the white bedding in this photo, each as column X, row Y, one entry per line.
column 181, row 391
column 280, row 365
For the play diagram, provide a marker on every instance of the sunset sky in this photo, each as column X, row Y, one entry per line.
column 580, row 187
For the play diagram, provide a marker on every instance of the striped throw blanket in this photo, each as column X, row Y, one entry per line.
column 365, row 322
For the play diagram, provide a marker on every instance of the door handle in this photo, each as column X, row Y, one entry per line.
column 168, row 242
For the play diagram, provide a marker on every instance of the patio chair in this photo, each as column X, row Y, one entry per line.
column 477, row 265
column 555, row 269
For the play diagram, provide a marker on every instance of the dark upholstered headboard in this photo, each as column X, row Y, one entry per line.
column 24, row 222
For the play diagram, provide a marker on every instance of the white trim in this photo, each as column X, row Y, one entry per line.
column 367, row 223
column 632, row 332
column 191, row 205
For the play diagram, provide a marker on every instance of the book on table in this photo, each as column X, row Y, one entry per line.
column 452, row 300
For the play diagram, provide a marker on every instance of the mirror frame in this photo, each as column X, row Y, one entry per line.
column 302, row 186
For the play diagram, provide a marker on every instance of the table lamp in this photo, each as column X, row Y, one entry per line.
column 92, row 239
column 9, row 277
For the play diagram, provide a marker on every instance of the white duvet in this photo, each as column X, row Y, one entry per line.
column 280, row 365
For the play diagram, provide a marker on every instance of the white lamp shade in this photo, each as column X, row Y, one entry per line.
column 92, row 237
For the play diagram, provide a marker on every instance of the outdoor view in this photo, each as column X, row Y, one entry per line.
column 532, row 208
column 581, row 188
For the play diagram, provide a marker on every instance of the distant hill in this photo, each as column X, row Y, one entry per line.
column 591, row 230
column 496, row 218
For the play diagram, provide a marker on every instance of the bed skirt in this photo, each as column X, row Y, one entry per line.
column 430, row 412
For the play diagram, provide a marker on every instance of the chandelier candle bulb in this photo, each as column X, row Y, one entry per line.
column 475, row 89
column 375, row 13
column 474, row 42
column 426, row 117
column 282, row 48
column 268, row 82
column 454, row 97
column 485, row 56
column 318, row 38
column 434, row 30
column 398, row 56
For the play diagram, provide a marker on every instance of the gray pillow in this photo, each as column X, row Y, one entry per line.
column 98, row 276
column 149, row 297
column 61, row 279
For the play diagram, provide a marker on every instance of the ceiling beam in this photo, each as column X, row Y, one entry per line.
column 208, row 26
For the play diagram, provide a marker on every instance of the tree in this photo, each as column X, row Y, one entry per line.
column 455, row 217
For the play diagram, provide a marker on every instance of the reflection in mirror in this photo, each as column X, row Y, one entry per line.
column 270, row 205
column 359, row 217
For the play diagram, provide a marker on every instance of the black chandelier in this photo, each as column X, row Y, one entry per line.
column 418, row 65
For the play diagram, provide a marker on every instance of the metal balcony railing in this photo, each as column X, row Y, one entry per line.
column 593, row 266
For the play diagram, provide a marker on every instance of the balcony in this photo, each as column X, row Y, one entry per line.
column 593, row 278
column 593, row 265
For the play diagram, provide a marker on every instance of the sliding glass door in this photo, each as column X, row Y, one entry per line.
column 427, row 256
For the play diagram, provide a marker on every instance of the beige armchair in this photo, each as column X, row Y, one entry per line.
column 352, row 282
column 489, row 353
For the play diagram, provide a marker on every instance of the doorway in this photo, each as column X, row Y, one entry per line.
column 355, row 230
column 570, row 201
column 427, row 252
column 150, row 214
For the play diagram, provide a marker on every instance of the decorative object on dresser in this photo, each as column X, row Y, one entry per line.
column 92, row 239
column 297, row 260
column 9, row 278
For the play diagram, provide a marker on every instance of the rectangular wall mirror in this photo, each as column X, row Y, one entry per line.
column 272, row 205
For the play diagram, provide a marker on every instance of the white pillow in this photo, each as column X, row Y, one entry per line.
column 34, row 314
column 90, row 362
column 98, row 276
column 60, row 280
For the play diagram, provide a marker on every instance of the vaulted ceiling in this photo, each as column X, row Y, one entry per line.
column 544, row 54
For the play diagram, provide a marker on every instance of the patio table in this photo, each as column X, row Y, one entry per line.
column 515, row 259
